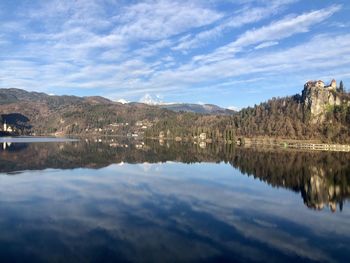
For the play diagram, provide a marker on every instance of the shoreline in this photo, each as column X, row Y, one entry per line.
column 312, row 145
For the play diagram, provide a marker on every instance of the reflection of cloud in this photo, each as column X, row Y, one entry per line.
column 178, row 211
column 282, row 241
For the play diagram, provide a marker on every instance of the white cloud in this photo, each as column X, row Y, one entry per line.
column 276, row 30
column 266, row 44
column 286, row 27
column 128, row 77
column 156, row 20
column 239, row 18
column 317, row 52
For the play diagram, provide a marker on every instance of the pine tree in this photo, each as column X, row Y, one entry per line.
column 341, row 86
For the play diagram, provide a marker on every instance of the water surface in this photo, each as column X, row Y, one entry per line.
column 158, row 202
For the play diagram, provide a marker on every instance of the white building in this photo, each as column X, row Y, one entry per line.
column 7, row 128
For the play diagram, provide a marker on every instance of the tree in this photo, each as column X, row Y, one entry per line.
column 341, row 87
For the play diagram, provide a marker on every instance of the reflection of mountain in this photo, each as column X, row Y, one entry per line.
column 321, row 177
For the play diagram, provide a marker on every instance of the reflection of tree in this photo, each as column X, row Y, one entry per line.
column 321, row 177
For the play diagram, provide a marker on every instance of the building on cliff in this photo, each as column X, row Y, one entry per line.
column 315, row 83
column 320, row 84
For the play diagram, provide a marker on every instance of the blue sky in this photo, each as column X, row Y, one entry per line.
column 230, row 53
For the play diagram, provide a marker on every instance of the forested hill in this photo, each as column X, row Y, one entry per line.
column 320, row 112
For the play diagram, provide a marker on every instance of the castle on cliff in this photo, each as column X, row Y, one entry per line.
column 318, row 97
column 320, row 84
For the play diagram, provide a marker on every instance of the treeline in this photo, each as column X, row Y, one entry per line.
column 191, row 125
column 288, row 118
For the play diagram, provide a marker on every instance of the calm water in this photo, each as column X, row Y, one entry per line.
column 156, row 202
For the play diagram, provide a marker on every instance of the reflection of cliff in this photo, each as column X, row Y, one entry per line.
column 320, row 190
column 321, row 177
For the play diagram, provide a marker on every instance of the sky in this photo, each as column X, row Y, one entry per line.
column 225, row 52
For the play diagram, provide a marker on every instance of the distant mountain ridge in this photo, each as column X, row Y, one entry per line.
column 207, row 109
column 13, row 95
column 197, row 108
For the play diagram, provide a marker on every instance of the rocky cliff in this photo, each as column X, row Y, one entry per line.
column 318, row 99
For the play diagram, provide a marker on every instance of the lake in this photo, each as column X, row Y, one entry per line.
column 102, row 200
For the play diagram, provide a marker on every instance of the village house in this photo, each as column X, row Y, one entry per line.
column 7, row 128
column 203, row 136
column 139, row 123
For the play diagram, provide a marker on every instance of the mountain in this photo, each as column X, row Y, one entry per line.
column 185, row 107
column 196, row 108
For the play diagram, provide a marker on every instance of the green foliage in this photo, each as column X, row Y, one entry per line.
column 329, row 108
